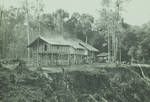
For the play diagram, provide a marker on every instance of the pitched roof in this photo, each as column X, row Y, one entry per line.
column 74, row 44
column 87, row 46
column 102, row 54
column 60, row 40
column 54, row 40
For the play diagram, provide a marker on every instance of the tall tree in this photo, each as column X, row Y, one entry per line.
column 111, row 21
column 86, row 22
column 81, row 25
column 60, row 16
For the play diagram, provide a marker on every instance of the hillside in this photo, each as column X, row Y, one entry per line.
column 95, row 84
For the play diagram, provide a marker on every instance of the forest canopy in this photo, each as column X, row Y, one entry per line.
column 134, row 40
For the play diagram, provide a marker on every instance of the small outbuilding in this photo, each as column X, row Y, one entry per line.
column 102, row 57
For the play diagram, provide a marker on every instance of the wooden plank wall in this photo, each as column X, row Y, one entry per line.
column 59, row 55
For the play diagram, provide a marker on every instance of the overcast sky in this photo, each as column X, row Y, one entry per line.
column 137, row 12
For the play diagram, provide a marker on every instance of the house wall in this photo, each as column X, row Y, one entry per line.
column 81, row 52
column 52, row 48
column 47, row 54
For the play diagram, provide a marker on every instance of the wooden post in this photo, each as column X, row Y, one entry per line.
column 74, row 59
column 52, row 60
column 56, row 58
column 59, row 59
column 69, row 59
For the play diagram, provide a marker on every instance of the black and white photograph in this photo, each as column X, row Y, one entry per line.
column 74, row 50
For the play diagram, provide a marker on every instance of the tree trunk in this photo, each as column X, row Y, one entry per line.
column 86, row 39
column 109, row 52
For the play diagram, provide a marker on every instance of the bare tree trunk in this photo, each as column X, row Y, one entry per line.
column 86, row 39
column 109, row 52
column 115, row 48
column 117, row 36
column 4, row 37
column 120, row 50
column 114, row 45
column 27, row 30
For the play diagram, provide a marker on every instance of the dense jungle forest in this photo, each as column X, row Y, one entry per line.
column 110, row 33
column 134, row 40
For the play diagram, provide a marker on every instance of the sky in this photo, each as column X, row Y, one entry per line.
column 136, row 12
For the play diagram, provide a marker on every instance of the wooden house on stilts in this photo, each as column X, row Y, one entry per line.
column 57, row 50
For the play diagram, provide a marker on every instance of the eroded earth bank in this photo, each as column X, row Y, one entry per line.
column 122, row 84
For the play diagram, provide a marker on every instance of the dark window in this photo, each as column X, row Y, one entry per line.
column 45, row 47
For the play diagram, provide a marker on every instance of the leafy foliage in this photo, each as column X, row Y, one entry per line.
column 13, row 33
